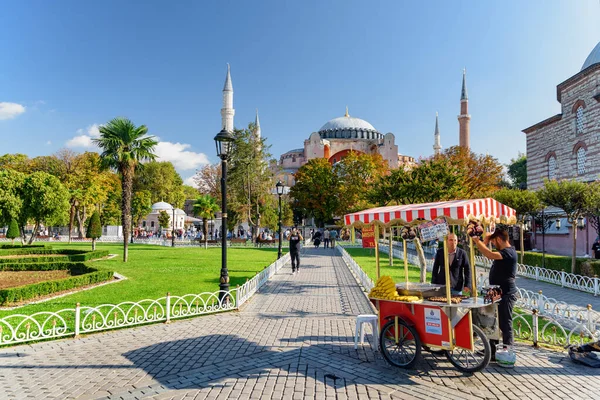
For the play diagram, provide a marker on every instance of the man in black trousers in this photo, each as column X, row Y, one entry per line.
column 460, row 269
column 295, row 241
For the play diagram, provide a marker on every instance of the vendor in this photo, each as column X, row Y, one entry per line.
column 502, row 273
column 460, row 269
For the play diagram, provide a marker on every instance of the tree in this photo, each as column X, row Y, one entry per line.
column 517, row 172
column 593, row 211
column 524, row 202
column 190, row 192
column 110, row 210
column 162, row 181
column 17, row 162
column 11, row 198
column 13, row 230
column 357, row 172
column 574, row 198
column 45, row 200
column 94, row 229
column 164, row 219
column 208, row 180
column 205, row 207
column 481, row 174
column 141, row 205
column 124, row 146
column 317, row 190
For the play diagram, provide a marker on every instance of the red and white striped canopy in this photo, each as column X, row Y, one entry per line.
column 456, row 212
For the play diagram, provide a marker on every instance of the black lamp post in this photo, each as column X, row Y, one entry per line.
column 173, row 230
column 279, row 186
column 224, row 141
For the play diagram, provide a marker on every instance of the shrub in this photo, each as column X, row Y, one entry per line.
column 74, row 267
column 28, row 292
column 74, row 255
column 13, row 230
column 94, row 229
column 29, row 246
column 552, row 261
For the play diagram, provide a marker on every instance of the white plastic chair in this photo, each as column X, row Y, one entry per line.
column 366, row 319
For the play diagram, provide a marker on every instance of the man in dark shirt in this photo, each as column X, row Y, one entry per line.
column 295, row 240
column 460, row 269
column 596, row 249
column 502, row 273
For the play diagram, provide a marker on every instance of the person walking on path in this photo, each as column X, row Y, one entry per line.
column 326, row 236
column 295, row 243
column 460, row 269
column 332, row 237
column 503, row 273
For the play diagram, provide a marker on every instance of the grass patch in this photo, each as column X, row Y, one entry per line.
column 366, row 259
column 152, row 271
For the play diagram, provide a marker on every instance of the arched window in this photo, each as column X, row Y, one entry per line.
column 552, row 167
column 579, row 120
column 581, row 155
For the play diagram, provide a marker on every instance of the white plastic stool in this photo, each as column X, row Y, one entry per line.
column 366, row 319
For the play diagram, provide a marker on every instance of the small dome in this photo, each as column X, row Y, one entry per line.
column 342, row 123
column 161, row 205
column 593, row 58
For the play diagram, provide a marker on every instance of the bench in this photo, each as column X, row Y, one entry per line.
column 239, row 241
column 261, row 242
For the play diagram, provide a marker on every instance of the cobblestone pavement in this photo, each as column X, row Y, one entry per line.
column 293, row 340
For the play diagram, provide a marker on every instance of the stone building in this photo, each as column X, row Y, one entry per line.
column 566, row 145
column 150, row 222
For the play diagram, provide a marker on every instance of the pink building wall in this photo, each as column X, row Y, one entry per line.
column 562, row 244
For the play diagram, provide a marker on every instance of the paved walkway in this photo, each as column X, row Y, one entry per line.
column 293, row 340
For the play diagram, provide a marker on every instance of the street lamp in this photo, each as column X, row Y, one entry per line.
column 224, row 142
column 557, row 223
column 279, row 186
column 173, row 229
column 580, row 222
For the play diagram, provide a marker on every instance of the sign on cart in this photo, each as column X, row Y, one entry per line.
column 436, row 229
column 433, row 321
column 368, row 237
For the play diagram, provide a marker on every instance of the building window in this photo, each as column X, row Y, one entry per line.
column 581, row 155
column 552, row 167
column 151, row 224
column 143, row 224
column 579, row 120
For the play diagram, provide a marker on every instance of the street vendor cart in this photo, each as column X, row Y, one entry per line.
column 416, row 316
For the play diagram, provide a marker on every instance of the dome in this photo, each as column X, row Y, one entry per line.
column 161, row 205
column 593, row 58
column 342, row 123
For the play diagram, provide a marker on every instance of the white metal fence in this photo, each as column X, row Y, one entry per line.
column 21, row 328
column 540, row 319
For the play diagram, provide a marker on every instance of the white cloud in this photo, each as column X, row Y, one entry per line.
column 84, row 138
column 10, row 110
column 190, row 182
column 181, row 158
column 49, row 142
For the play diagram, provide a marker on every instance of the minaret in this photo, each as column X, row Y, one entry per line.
column 227, row 112
column 464, row 118
column 257, row 126
column 437, row 147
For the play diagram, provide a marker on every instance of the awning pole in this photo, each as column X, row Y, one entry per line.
column 405, row 263
column 377, row 250
column 391, row 248
column 473, row 269
column 353, row 235
column 447, row 269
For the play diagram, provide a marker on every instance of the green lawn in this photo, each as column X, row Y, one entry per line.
column 152, row 271
column 366, row 259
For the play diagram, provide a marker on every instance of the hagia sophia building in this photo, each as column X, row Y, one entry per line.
column 342, row 135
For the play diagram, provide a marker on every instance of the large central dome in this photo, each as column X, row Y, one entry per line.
column 348, row 127
column 593, row 58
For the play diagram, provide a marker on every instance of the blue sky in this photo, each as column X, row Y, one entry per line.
column 67, row 66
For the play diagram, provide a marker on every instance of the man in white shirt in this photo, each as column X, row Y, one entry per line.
column 326, row 236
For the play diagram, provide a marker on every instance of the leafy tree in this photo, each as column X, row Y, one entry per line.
column 141, row 205
column 94, row 229
column 481, row 174
column 574, row 198
column 316, row 190
column 524, row 202
column 357, row 173
column 593, row 211
column 162, row 181
column 110, row 209
column 190, row 192
column 18, row 162
column 13, row 230
column 11, row 199
column 45, row 200
column 124, row 146
column 205, row 207
column 164, row 219
column 208, row 180
column 517, row 172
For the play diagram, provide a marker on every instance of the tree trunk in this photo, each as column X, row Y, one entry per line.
column 81, row 216
column 126, row 186
column 522, row 236
column 205, row 231
column 422, row 260
column 22, row 230
column 574, row 259
column 93, row 244
column 34, row 233
column 71, row 218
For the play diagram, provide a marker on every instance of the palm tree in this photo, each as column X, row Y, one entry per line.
column 124, row 146
column 205, row 207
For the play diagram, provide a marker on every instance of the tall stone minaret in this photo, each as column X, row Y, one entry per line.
column 257, row 126
column 227, row 112
column 437, row 147
column 464, row 118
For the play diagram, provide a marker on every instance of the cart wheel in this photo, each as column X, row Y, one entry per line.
column 472, row 361
column 405, row 352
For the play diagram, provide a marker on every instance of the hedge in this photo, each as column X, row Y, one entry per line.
column 73, row 255
column 28, row 292
column 27, row 246
column 46, row 266
column 552, row 261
